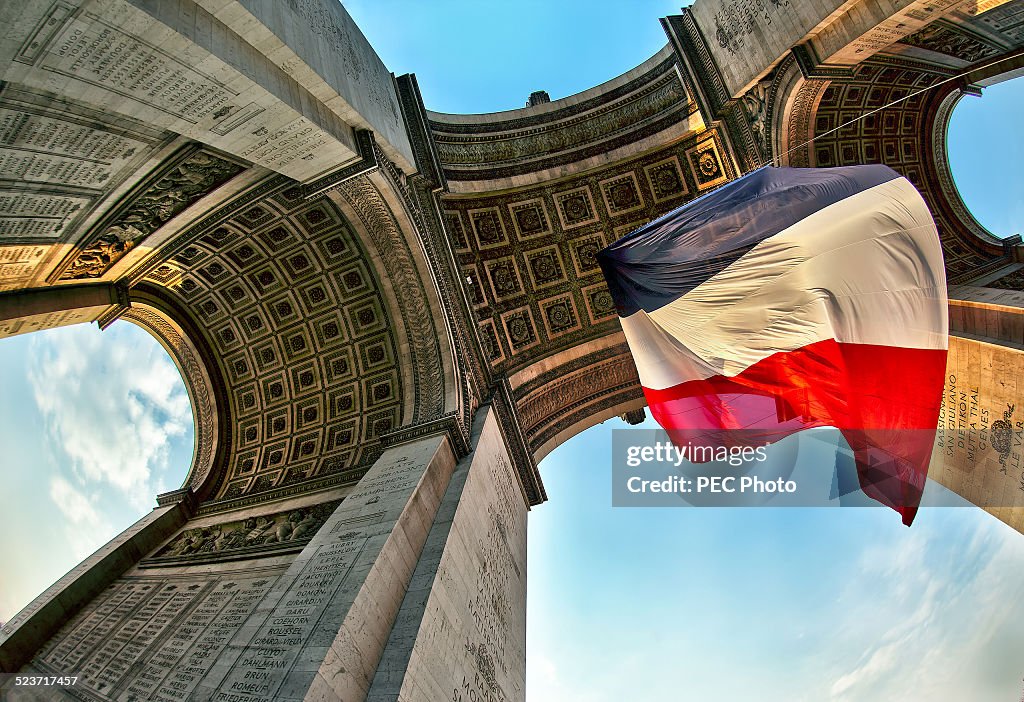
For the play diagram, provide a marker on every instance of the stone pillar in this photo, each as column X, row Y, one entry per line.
column 30, row 628
column 320, row 631
column 413, row 588
column 461, row 631
column 979, row 448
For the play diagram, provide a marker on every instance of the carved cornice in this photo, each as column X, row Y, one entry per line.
column 812, row 68
column 322, row 483
column 565, row 396
column 366, row 146
column 450, row 424
column 459, row 152
column 689, row 43
column 428, row 162
column 183, row 496
column 512, row 429
column 532, row 121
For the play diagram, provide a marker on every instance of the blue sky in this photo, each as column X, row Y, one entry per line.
column 94, row 425
column 638, row 604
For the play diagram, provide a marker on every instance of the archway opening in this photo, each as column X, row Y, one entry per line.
column 767, row 603
column 985, row 148
column 94, row 425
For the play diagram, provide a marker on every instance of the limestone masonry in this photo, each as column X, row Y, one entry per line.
column 385, row 316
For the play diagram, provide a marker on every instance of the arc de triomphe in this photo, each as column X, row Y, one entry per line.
column 386, row 316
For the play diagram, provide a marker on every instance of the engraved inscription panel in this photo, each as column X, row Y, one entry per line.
column 979, row 446
column 154, row 639
column 96, row 52
column 17, row 264
column 272, row 653
column 40, row 149
column 470, row 643
column 28, row 216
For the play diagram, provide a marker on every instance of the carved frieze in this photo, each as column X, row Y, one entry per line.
column 1013, row 281
column 647, row 104
column 244, row 538
column 946, row 39
column 174, row 189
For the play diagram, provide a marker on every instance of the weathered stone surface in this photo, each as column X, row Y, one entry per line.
column 980, row 441
column 461, row 632
column 349, row 283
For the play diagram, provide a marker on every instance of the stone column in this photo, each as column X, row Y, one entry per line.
column 979, row 448
column 461, row 631
column 320, row 631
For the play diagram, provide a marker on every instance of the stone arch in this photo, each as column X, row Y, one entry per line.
column 171, row 327
column 793, row 127
column 946, row 185
column 839, row 122
column 567, row 393
column 321, row 322
column 376, row 204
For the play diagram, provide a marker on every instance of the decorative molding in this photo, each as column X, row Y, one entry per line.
column 332, row 481
column 196, row 380
column 800, row 129
column 649, row 104
column 450, row 424
column 510, row 423
column 692, row 48
column 425, row 358
column 460, row 152
column 183, row 496
column 366, row 147
column 122, row 305
column 417, row 125
column 812, row 68
column 947, row 186
column 542, row 120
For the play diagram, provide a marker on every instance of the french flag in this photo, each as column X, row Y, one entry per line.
column 794, row 298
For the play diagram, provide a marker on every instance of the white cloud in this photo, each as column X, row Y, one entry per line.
column 86, row 528
column 112, row 407
column 930, row 623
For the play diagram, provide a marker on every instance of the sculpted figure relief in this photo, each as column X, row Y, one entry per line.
column 296, row 525
column 177, row 189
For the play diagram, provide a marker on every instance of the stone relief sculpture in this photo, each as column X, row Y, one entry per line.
column 182, row 185
column 755, row 104
column 290, row 526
